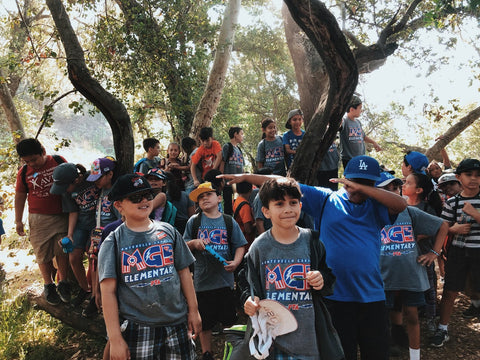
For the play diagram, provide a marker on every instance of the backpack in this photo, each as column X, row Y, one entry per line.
column 136, row 167
column 237, row 210
column 23, row 175
column 169, row 213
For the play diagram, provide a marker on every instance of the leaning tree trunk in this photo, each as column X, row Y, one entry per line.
column 309, row 69
column 323, row 31
column 452, row 133
column 10, row 110
column 113, row 110
column 216, row 79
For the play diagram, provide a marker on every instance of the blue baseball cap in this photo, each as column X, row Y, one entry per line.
column 362, row 167
column 386, row 178
column 418, row 161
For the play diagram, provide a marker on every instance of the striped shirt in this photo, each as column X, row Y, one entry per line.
column 452, row 212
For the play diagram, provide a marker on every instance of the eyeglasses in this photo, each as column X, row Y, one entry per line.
column 137, row 198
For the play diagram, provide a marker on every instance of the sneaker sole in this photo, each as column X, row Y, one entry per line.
column 442, row 343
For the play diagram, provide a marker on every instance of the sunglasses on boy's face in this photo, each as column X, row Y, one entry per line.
column 137, row 198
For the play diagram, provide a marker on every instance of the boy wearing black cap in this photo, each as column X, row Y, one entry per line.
column 463, row 258
column 293, row 137
column 145, row 280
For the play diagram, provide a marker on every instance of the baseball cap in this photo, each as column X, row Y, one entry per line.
column 362, row 167
column 418, row 161
column 386, row 178
column 158, row 173
column 63, row 176
column 291, row 114
column 445, row 178
column 129, row 184
column 100, row 167
column 202, row 188
column 467, row 164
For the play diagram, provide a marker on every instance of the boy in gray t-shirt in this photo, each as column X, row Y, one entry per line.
column 287, row 264
column 145, row 280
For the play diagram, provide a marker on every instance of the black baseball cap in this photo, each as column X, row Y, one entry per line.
column 129, row 184
column 467, row 165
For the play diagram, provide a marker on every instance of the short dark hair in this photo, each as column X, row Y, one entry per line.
column 211, row 176
column 276, row 189
column 244, row 187
column 205, row 133
column 149, row 143
column 29, row 146
column 234, row 130
column 188, row 143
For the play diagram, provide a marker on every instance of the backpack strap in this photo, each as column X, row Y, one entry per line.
column 136, row 167
column 197, row 220
column 239, row 207
column 229, row 225
column 321, row 212
column 23, row 175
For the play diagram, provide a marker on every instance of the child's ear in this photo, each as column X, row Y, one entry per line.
column 118, row 206
column 266, row 212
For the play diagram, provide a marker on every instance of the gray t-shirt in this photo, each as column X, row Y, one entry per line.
column 351, row 139
column 331, row 158
column 108, row 212
column 83, row 199
column 209, row 273
column 149, row 289
column 148, row 164
column 399, row 250
column 234, row 164
column 272, row 155
column 277, row 265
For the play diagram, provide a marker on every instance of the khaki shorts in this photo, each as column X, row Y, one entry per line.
column 45, row 232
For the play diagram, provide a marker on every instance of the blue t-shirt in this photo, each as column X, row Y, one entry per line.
column 351, row 234
column 289, row 138
column 272, row 155
column 209, row 273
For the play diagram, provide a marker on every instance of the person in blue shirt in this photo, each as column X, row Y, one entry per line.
column 351, row 221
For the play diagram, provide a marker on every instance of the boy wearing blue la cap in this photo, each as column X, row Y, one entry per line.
column 414, row 162
column 351, row 221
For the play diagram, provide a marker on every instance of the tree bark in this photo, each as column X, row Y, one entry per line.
column 452, row 133
column 65, row 314
column 309, row 68
column 323, row 31
column 10, row 110
column 113, row 110
column 216, row 79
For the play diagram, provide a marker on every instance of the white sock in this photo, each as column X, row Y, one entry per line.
column 414, row 354
column 476, row 303
column 443, row 327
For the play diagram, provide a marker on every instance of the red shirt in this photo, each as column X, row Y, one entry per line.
column 39, row 182
column 207, row 156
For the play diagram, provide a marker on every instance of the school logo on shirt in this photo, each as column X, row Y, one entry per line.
column 397, row 240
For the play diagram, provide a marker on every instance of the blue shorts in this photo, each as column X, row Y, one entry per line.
column 161, row 342
column 395, row 299
column 81, row 238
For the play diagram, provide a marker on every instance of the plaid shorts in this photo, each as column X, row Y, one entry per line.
column 159, row 343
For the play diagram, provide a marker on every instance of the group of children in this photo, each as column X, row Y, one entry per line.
column 163, row 280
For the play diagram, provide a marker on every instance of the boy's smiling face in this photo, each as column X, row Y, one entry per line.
column 296, row 122
column 284, row 212
column 135, row 211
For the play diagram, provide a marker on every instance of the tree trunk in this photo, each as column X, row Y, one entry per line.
column 65, row 314
column 323, row 31
column 216, row 79
column 452, row 133
column 8, row 106
column 113, row 110
column 309, row 68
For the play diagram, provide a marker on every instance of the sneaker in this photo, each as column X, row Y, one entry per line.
column 63, row 290
column 207, row 355
column 80, row 298
column 471, row 312
column 50, row 292
column 91, row 309
column 440, row 338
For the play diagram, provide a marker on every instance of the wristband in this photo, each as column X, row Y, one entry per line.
column 433, row 251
